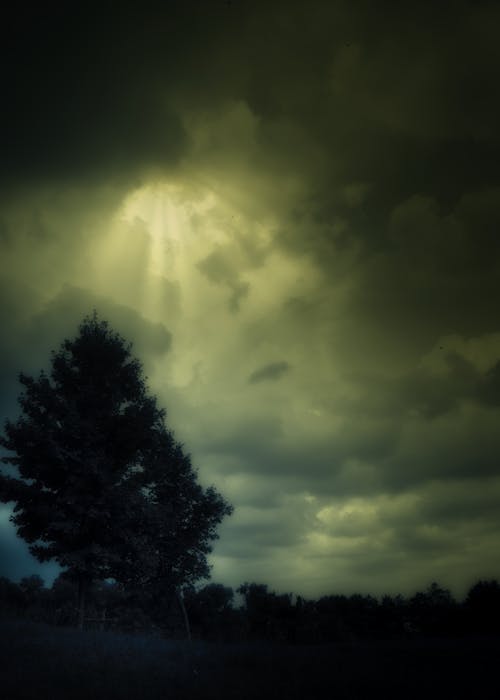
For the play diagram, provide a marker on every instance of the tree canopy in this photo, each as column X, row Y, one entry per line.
column 103, row 487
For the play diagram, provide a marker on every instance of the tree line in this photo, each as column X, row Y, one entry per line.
column 261, row 614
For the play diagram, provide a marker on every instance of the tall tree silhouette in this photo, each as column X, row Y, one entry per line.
column 103, row 488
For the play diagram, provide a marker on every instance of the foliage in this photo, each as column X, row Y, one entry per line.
column 178, row 520
column 344, row 618
column 11, row 597
column 212, row 614
column 103, row 487
column 83, row 433
column 433, row 610
column 269, row 614
column 482, row 607
column 265, row 615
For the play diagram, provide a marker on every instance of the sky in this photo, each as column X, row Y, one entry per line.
column 292, row 209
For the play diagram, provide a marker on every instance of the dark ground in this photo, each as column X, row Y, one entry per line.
column 52, row 663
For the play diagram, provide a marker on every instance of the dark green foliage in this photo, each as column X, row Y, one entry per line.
column 178, row 520
column 214, row 598
column 433, row 610
column 103, row 487
column 83, row 432
column 392, row 616
column 345, row 618
column 482, row 607
column 265, row 615
column 11, row 597
column 32, row 587
column 269, row 615
column 212, row 614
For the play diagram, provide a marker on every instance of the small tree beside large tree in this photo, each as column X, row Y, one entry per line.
column 103, row 488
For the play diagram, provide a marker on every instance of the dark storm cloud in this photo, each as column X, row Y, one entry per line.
column 423, row 393
column 463, row 501
column 415, row 133
column 79, row 91
column 344, row 462
column 96, row 90
column 437, row 273
column 260, row 535
column 271, row 372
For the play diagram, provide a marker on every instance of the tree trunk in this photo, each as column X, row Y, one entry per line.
column 184, row 613
column 83, row 584
column 189, row 667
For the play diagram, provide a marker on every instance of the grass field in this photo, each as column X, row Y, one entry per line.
column 49, row 663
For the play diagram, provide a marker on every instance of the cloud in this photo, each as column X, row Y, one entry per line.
column 83, row 106
column 271, row 372
column 149, row 339
column 317, row 182
column 220, row 271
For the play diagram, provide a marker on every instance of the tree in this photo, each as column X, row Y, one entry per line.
column 269, row 615
column 103, row 487
column 211, row 611
column 482, row 607
column 434, row 611
column 11, row 596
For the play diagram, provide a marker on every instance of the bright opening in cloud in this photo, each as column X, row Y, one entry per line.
column 171, row 215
